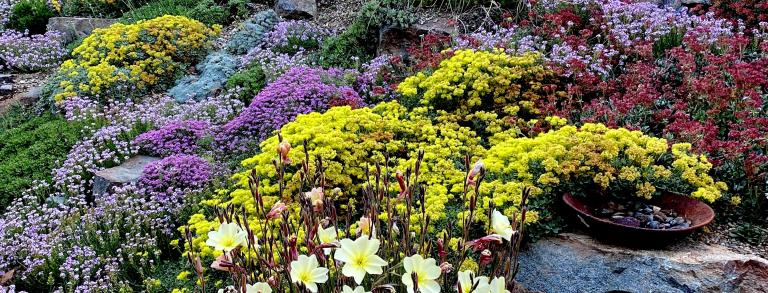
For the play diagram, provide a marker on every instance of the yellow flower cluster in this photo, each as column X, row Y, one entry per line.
column 481, row 80
column 594, row 160
column 127, row 60
column 348, row 140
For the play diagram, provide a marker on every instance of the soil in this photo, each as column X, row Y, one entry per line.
column 23, row 82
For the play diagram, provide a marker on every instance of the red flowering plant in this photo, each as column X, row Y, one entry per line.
column 710, row 96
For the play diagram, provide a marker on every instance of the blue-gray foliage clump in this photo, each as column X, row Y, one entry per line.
column 215, row 70
column 252, row 32
column 220, row 65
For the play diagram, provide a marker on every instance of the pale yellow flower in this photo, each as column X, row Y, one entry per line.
column 307, row 271
column 500, row 225
column 358, row 289
column 426, row 271
column 327, row 235
column 360, row 257
column 497, row 285
column 228, row 237
column 468, row 280
column 259, row 287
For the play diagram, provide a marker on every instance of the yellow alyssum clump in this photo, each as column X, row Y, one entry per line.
column 481, row 80
column 127, row 60
column 349, row 140
column 594, row 160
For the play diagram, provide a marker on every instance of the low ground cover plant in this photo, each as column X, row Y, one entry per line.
column 153, row 54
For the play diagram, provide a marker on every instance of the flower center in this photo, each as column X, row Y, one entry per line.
column 360, row 260
column 228, row 241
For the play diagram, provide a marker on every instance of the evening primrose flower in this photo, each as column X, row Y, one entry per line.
column 360, row 257
column 426, row 271
column 327, row 235
column 228, row 237
column 497, row 285
column 358, row 289
column 468, row 280
column 259, row 287
column 315, row 197
column 307, row 271
column 500, row 225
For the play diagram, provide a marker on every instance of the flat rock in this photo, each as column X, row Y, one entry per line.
column 129, row 171
column 296, row 9
column 578, row 263
column 6, row 89
column 73, row 28
column 6, row 78
column 31, row 96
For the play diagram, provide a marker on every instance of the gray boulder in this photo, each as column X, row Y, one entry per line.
column 296, row 9
column 578, row 263
column 129, row 171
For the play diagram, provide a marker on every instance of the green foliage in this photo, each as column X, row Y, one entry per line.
column 30, row 147
column 250, row 81
column 99, row 8
column 206, row 11
column 349, row 49
column 672, row 39
column 750, row 233
column 30, row 15
column 357, row 44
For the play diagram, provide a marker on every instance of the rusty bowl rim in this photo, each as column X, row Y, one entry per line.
column 568, row 197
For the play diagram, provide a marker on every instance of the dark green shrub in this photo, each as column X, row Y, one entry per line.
column 250, row 80
column 30, row 15
column 100, row 8
column 206, row 11
column 31, row 149
column 357, row 44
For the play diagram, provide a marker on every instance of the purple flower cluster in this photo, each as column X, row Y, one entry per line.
column 296, row 35
column 171, row 178
column 177, row 137
column 375, row 79
column 5, row 14
column 22, row 52
column 301, row 90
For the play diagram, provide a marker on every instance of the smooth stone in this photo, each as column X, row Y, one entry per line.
column 6, row 89
column 577, row 263
column 128, row 171
column 6, row 78
column 653, row 225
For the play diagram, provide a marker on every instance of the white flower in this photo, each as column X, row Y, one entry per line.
column 327, row 235
column 426, row 271
column 307, row 271
column 500, row 225
column 360, row 257
column 497, row 285
column 259, row 287
column 228, row 237
column 358, row 289
column 467, row 281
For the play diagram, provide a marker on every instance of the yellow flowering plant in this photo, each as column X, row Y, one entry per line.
column 309, row 242
column 130, row 60
column 594, row 160
column 472, row 81
column 348, row 141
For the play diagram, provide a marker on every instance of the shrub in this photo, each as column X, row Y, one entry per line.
column 152, row 53
column 96, row 8
column 479, row 80
column 171, row 178
column 252, row 32
column 214, row 72
column 595, row 161
column 348, row 141
column 31, row 15
column 209, row 13
column 26, row 53
column 349, row 49
column 250, row 81
column 178, row 137
column 293, row 36
column 299, row 91
column 30, row 149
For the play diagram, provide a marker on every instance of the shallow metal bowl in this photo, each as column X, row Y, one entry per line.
column 699, row 213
